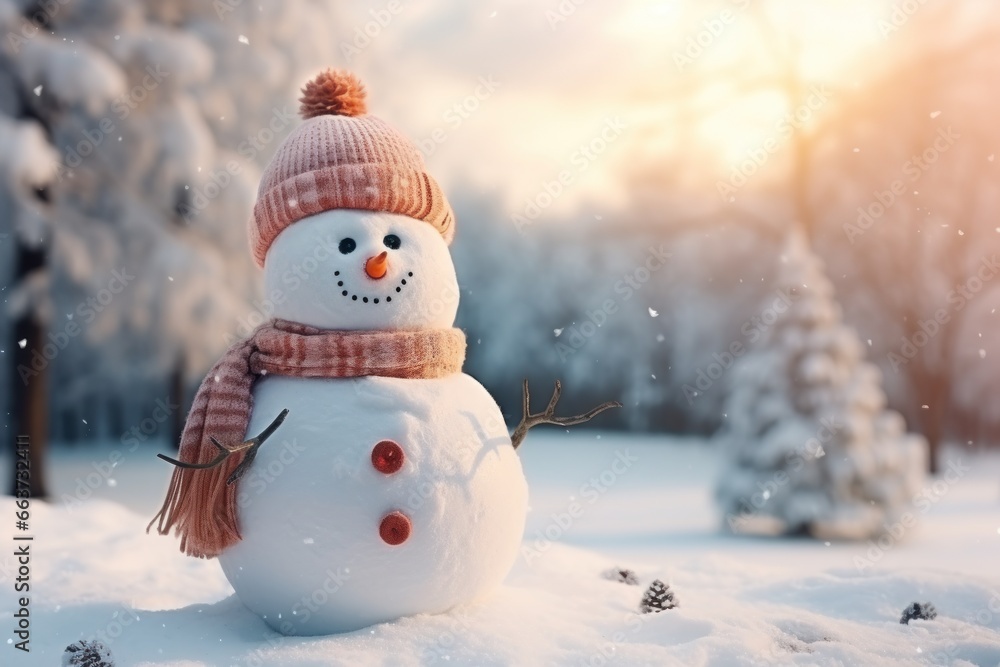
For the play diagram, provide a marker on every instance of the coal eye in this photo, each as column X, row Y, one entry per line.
column 347, row 246
column 392, row 242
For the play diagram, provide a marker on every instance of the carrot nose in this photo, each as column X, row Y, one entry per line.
column 377, row 266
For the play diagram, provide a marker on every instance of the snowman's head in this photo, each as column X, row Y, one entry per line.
column 362, row 270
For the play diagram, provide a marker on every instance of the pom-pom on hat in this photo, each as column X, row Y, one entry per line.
column 341, row 157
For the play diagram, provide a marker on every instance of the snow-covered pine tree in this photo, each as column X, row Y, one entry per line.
column 808, row 444
column 130, row 138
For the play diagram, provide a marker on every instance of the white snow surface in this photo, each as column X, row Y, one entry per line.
column 743, row 601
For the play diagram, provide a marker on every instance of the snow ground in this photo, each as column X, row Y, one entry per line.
column 743, row 601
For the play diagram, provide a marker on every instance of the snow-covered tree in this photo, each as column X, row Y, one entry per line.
column 131, row 135
column 910, row 264
column 809, row 444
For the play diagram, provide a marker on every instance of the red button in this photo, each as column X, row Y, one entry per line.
column 387, row 457
column 395, row 528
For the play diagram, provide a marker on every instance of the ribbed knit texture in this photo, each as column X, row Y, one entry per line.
column 199, row 503
column 332, row 162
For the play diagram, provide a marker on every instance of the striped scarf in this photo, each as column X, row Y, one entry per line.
column 199, row 503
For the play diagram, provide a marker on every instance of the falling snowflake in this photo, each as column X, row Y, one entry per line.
column 243, row 39
column 653, row 313
column 557, row 332
column 935, row 114
column 23, row 343
column 38, row 90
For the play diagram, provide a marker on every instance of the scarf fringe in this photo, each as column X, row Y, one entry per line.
column 201, row 507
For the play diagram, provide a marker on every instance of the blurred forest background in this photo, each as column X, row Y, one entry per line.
column 625, row 177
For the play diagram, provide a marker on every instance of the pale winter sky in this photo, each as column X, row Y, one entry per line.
column 552, row 77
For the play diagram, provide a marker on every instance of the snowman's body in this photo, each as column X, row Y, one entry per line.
column 312, row 559
column 311, row 556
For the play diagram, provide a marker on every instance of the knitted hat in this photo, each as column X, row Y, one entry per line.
column 340, row 157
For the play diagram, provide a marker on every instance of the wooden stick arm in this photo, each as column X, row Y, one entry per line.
column 253, row 444
column 529, row 421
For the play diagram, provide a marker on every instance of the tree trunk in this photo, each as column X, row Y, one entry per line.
column 116, row 417
column 176, row 397
column 67, row 432
column 932, row 391
column 29, row 383
column 930, row 426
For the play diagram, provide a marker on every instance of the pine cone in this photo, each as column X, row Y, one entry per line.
column 657, row 598
column 923, row 612
column 624, row 576
column 87, row 654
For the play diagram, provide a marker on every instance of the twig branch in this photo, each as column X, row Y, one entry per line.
column 253, row 444
column 529, row 420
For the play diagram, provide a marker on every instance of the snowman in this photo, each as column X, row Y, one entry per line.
column 389, row 485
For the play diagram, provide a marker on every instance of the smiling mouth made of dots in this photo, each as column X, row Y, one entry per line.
column 364, row 299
